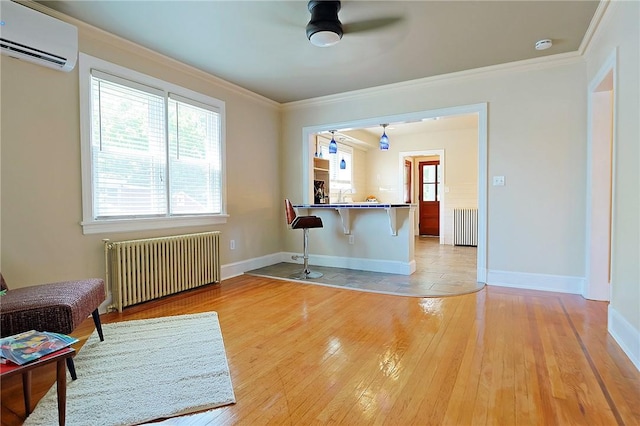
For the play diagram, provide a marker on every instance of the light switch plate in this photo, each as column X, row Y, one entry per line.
column 498, row 181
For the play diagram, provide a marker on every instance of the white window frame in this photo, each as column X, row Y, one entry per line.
column 90, row 225
column 335, row 161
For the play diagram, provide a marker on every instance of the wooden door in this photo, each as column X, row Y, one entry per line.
column 429, row 198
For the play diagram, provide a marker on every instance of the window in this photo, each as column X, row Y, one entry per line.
column 152, row 152
column 430, row 180
column 341, row 180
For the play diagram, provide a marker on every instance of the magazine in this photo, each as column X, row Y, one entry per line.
column 31, row 345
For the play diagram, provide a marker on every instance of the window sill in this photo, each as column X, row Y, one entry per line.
column 129, row 225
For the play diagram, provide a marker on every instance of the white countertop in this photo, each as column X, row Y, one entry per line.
column 363, row 205
column 345, row 210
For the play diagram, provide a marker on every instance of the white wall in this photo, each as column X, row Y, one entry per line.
column 360, row 172
column 41, row 236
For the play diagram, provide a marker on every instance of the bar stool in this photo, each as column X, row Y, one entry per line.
column 305, row 223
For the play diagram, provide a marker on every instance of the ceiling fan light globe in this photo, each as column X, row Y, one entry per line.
column 324, row 38
column 324, row 28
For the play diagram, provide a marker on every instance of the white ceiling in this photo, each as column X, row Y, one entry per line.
column 262, row 46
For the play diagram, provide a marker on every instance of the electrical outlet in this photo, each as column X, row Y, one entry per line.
column 232, row 244
column 352, row 239
column 498, row 181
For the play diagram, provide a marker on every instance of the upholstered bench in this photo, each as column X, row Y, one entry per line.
column 58, row 307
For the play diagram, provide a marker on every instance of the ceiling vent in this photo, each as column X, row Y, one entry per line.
column 35, row 37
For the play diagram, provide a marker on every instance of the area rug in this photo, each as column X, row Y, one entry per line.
column 145, row 370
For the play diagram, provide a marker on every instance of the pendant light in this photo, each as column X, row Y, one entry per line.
column 343, row 164
column 333, row 146
column 384, row 140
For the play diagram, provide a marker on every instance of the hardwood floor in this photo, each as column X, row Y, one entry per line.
column 301, row 354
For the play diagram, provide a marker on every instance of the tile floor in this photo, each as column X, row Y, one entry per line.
column 441, row 270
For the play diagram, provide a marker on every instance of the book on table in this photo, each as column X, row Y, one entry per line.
column 31, row 345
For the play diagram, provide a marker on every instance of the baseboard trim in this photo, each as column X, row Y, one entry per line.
column 529, row 281
column 627, row 337
column 231, row 270
column 373, row 265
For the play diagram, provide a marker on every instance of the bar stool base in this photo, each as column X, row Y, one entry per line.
column 306, row 276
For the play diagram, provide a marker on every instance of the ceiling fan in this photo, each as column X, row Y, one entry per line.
column 325, row 29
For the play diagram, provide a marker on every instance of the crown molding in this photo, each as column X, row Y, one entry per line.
column 550, row 61
column 460, row 76
column 593, row 26
column 129, row 46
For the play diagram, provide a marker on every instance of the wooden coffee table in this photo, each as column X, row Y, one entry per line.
column 59, row 357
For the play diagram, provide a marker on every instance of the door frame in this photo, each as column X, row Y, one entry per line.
column 427, row 153
column 598, row 280
column 408, row 198
column 420, row 184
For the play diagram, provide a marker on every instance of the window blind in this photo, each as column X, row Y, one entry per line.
column 195, row 164
column 153, row 154
column 128, row 151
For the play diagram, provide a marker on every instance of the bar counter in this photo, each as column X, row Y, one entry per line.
column 366, row 236
column 344, row 209
column 363, row 205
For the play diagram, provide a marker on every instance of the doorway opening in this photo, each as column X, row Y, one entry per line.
column 309, row 135
column 415, row 158
column 429, row 173
column 600, row 171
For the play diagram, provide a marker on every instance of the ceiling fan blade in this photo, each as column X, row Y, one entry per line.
column 370, row 24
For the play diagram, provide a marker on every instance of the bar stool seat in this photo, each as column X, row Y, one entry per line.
column 305, row 223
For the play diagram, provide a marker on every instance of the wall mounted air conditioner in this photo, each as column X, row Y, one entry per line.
column 35, row 37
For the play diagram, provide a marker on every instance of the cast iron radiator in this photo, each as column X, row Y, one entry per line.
column 465, row 227
column 141, row 270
